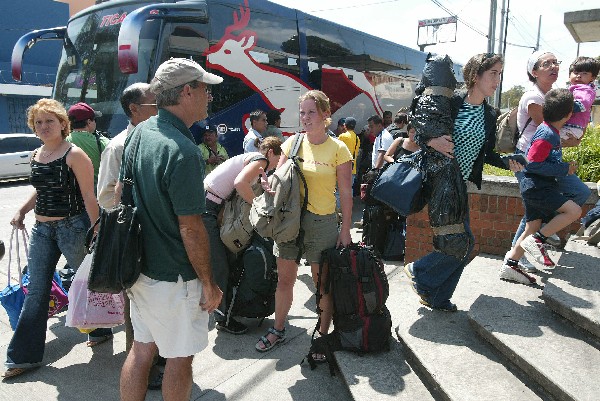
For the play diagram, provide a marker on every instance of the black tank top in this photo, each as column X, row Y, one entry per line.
column 58, row 193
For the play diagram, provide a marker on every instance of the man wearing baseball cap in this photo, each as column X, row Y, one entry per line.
column 213, row 153
column 172, row 299
column 84, row 135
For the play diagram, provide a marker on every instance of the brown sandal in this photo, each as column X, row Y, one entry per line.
column 100, row 340
column 14, row 372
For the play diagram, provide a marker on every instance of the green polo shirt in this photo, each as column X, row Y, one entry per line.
column 166, row 185
column 87, row 142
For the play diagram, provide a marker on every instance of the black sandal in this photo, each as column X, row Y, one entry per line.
column 266, row 343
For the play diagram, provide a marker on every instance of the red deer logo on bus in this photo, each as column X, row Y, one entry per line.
column 350, row 92
column 277, row 88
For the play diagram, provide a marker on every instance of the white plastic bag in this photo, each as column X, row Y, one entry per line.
column 89, row 309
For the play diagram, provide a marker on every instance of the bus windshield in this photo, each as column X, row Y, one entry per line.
column 89, row 72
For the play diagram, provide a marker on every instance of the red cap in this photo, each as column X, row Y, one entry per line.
column 83, row 111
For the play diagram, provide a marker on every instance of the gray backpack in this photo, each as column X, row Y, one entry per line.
column 236, row 230
column 278, row 215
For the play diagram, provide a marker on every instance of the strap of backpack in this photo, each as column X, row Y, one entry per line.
column 295, row 159
column 127, row 196
column 296, row 145
column 324, row 259
column 258, row 157
column 526, row 124
column 97, row 135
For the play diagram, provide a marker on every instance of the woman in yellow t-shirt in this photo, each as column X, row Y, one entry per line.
column 325, row 162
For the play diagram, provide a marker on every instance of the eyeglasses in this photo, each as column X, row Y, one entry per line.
column 550, row 63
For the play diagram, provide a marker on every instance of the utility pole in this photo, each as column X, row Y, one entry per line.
column 492, row 27
column 537, row 45
column 501, row 48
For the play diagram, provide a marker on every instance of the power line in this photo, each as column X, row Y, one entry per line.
column 354, row 6
column 450, row 12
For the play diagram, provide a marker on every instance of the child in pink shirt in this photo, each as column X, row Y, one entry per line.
column 582, row 74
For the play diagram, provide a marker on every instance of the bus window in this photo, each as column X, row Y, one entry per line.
column 186, row 41
column 89, row 72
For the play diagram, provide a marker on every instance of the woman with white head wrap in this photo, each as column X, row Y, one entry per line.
column 542, row 69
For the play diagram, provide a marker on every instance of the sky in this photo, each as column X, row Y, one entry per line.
column 397, row 21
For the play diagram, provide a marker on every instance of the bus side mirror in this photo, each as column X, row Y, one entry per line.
column 27, row 41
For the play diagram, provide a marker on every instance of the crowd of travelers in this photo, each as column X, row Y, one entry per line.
column 77, row 170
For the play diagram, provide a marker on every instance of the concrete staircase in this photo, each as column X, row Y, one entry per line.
column 507, row 342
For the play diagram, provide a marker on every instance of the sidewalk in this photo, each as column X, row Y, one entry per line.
column 228, row 369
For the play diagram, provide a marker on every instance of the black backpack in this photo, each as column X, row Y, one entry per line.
column 357, row 281
column 253, row 281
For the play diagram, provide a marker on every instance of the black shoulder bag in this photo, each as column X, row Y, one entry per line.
column 118, row 250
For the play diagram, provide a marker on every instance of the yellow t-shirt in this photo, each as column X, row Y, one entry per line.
column 319, row 168
column 353, row 143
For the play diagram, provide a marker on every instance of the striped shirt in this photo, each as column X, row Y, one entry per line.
column 468, row 137
column 58, row 193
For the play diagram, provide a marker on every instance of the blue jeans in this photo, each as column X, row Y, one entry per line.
column 570, row 186
column 437, row 274
column 47, row 242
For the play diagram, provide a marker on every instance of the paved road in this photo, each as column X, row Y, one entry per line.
column 229, row 369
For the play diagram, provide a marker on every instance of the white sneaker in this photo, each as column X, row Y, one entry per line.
column 515, row 274
column 526, row 265
column 554, row 240
column 536, row 249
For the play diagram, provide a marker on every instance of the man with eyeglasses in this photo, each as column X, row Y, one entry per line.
column 139, row 104
column 175, row 292
column 84, row 135
column 258, row 122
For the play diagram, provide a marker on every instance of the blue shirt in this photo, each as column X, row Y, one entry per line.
column 544, row 154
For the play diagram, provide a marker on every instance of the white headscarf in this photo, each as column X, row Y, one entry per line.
column 535, row 56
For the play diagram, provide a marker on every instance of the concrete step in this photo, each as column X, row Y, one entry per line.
column 442, row 347
column 573, row 290
column 387, row 375
column 562, row 359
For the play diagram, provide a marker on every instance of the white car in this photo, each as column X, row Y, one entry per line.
column 15, row 154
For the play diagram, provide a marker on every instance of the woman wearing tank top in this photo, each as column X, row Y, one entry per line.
column 238, row 173
column 63, row 178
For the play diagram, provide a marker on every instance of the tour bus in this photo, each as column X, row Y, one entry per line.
column 267, row 54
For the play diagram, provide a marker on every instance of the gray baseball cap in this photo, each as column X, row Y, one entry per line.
column 179, row 71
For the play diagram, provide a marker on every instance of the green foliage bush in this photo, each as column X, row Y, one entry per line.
column 587, row 156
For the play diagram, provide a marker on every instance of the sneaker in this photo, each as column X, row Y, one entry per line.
column 446, row 307
column 526, row 265
column 554, row 240
column 358, row 224
column 408, row 270
column 536, row 249
column 512, row 273
column 234, row 327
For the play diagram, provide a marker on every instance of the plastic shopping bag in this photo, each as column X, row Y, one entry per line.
column 89, row 309
column 12, row 296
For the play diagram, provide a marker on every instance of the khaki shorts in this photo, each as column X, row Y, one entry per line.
column 169, row 315
column 320, row 233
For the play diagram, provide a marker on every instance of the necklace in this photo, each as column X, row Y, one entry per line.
column 47, row 155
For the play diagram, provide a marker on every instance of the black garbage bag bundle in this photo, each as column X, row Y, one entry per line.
column 431, row 108
column 431, row 115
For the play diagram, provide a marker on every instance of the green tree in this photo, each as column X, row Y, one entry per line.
column 511, row 97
